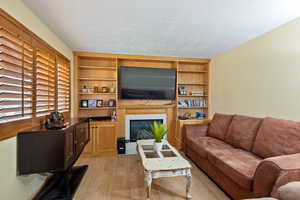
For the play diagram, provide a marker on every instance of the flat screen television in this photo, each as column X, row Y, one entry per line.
column 147, row 83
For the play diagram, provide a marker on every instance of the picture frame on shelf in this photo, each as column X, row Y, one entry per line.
column 92, row 103
column 84, row 104
column 99, row 103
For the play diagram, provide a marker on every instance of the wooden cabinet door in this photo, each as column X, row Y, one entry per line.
column 89, row 148
column 105, row 137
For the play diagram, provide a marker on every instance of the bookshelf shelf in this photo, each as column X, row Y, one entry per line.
column 98, row 108
column 97, row 93
column 192, row 71
column 97, row 68
column 193, row 96
column 193, row 120
column 201, row 84
column 97, row 79
column 192, row 107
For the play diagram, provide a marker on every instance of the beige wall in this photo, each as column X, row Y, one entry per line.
column 260, row 77
column 13, row 187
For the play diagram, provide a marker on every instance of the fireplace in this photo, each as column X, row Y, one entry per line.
column 137, row 127
column 140, row 129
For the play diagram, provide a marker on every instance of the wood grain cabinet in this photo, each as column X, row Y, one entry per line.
column 102, row 139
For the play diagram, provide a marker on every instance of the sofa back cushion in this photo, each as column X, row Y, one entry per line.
column 277, row 137
column 219, row 125
column 242, row 131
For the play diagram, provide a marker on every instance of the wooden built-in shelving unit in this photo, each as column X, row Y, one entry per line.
column 94, row 72
column 99, row 70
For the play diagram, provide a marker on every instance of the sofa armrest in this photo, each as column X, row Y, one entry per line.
column 274, row 172
column 193, row 131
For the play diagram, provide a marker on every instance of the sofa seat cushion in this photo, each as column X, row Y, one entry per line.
column 201, row 145
column 242, row 131
column 277, row 137
column 219, row 125
column 237, row 164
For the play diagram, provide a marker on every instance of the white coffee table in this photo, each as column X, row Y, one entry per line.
column 167, row 163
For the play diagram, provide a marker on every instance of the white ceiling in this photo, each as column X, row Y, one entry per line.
column 185, row 28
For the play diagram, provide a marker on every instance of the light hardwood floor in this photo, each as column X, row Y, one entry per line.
column 122, row 178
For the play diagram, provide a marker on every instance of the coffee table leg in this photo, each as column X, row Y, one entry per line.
column 148, row 180
column 189, row 184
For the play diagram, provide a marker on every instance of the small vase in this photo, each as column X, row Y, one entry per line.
column 158, row 146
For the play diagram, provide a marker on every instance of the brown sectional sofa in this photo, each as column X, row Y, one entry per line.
column 246, row 156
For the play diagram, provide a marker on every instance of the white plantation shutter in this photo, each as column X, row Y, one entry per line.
column 16, row 77
column 63, row 85
column 45, row 82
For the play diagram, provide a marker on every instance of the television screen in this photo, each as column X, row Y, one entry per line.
column 147, row 83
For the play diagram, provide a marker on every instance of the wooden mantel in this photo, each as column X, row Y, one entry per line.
column 148, row 106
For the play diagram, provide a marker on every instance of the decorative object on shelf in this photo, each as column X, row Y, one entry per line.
column 186, row 116
column 105, row 89
column 111, row 103
column 182, row 90
column 182, row 104
column 158, row 131
column 114, row 115
column 84, row 104
column 96, row 89
column 84, row 89
column 200, row 115
column 55, row 121
column 100, row 103
column 92, row 103
column 112, row 90
column 197, row 93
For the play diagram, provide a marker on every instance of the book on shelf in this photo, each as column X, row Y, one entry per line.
column 193, row 103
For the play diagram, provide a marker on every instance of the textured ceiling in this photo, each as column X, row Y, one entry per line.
column 185, row 28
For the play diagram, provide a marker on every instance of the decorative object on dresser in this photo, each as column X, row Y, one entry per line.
column 247, row 156
column 158, row 131
column 55, row 121
column 165, row 163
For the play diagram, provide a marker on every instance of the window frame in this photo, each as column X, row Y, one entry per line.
column 10, row 129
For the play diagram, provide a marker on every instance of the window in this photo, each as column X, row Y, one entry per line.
column 45, row 82
column 34, row 77
column 16, row 77
column 63, row 85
